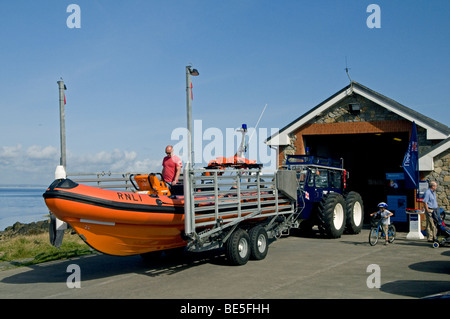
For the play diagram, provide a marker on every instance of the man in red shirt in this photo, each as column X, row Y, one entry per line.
column 171, row 167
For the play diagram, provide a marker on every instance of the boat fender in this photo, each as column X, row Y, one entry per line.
column 159, row 202
column 154, row 195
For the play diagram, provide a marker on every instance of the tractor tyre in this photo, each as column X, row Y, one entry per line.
column 331, row 215
column 355, row 213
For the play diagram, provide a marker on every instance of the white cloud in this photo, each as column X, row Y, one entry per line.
column 10, row 152
column 146, row 165
column 36, row 164
column 116, row 161
column 37, row 152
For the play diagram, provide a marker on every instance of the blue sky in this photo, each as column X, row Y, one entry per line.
column 125, row 71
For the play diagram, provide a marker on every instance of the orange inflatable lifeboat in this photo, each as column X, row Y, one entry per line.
column 116, row 222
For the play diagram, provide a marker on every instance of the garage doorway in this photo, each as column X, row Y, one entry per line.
column 367, row 158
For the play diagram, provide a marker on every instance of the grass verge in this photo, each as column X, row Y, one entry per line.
column 28, row 250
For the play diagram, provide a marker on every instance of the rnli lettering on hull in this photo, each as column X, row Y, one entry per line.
column 129, row 196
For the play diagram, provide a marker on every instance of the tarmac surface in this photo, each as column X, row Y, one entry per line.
column 295, row 268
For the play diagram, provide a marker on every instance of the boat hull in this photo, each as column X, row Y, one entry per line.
column 118, row 223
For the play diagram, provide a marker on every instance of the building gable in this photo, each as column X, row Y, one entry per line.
column 374, row 100
column 426, row 161
column 375, row 113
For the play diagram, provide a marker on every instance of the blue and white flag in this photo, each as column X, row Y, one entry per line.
column 411, row 161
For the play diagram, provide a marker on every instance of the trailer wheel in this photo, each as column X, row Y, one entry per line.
column 259, row 244
column 355, row 213
column 238, row 247
column 331, row 214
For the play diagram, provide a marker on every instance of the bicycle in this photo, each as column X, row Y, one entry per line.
column 376, row 232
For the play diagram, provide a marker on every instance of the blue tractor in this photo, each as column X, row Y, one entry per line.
column 322, row 197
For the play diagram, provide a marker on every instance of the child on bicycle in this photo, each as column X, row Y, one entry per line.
column 385, row 218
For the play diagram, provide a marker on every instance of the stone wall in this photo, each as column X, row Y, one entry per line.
column 441, row 175
column 370, row 112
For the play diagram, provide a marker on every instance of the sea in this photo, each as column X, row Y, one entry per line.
column 23, row 204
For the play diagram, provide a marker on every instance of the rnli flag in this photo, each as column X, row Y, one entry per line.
column 411, row 161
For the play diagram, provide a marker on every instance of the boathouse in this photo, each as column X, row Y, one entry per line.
column 370, row 133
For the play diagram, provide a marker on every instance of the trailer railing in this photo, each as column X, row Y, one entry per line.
column 217, row 199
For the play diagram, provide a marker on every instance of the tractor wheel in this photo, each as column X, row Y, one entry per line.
column 331, row 214
column 355, row 213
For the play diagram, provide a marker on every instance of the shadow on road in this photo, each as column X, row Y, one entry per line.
column 416, row 288
column 422, row 288
column 438, row 267
column 100, row 266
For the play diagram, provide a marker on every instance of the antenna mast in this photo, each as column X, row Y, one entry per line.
column 347, row 69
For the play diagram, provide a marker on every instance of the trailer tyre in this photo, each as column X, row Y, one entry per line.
column 238, row 247
column 259, row 244
column 355, row 213
column 331, row 214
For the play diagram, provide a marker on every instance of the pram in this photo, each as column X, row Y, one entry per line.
column 442, row 230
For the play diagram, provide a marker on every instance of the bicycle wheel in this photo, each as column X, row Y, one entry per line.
column 392, row 232
column 373, row 236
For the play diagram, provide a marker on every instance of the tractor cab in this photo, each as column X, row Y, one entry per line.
column 317, row 176
column 321, row 196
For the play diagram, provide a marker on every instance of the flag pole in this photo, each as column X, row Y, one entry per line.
column 62, row 124
column 189, row 96
column 411, row 161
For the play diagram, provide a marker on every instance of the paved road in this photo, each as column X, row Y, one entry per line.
column 296, row 267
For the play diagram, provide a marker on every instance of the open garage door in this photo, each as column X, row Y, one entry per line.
column 367, row 158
